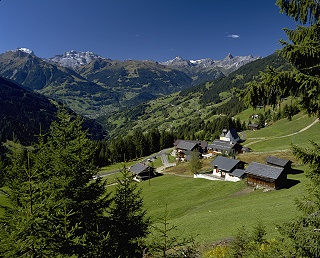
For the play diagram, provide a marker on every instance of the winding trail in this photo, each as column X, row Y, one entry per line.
column 260, row 139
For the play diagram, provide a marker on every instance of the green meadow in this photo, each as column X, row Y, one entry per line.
column 215, row 210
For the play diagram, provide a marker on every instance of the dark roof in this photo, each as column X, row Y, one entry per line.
column 224, row 163
column 238, row 172
column 184, row 145
column 221, row 145
column 138, row 168
column 233, row 133
column 277, row 161
column 264, row 170
column 203, row 144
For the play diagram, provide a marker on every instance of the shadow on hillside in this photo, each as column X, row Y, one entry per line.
column 295, row 171
column 290, row 183
column 157, row 174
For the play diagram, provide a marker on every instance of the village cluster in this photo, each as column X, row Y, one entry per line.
column 272, row 175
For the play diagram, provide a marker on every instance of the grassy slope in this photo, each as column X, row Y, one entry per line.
column 214, row 210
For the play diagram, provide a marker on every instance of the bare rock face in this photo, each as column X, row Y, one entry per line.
column 229, row 63
column 73, row 59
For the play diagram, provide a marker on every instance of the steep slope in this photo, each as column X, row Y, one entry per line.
column 23, row 114
column 135, row 80
column 240, row 77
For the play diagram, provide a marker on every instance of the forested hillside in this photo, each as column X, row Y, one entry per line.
column 196, row 105
column 24, row 114
column 236, row 79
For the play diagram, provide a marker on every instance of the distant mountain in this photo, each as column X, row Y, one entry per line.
column 192, row 104
column 73, row 59
column 229, row 62
column 135, row 79
column 92, row 85
column 207, row 69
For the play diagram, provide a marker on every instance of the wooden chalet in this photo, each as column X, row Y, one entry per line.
column 141, row 171
column 264, row 175
column 184, row 148
column 253, row 127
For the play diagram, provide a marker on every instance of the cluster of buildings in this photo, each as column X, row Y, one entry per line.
column 271, row 175
column 225, row 166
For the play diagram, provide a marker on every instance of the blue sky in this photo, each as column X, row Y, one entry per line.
column 156, row 30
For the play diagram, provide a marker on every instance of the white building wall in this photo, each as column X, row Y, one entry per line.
column 216, row 172
column 204, row 176
column 232, row 178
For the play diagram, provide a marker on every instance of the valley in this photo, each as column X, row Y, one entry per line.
column 93, row 86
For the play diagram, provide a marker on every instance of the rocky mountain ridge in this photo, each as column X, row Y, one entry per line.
column 230, row 62
column 74, row 59
column 92, row 85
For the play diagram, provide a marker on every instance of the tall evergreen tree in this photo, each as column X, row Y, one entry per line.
column 303, row 81
column 303, row 53
column 54, row 210
column 129, row 221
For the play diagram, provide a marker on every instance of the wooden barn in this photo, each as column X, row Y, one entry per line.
column 263, row 175
column 278, row 162
column 141, row 171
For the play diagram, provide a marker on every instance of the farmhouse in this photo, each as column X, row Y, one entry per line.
column 278, row 162
column 141, row 171
column 184, row 148
column 228, row 169
column 259, row 174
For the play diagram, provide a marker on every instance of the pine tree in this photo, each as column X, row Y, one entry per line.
column 128, row 218
column 54, row 210
column 302, row 51
column 302, row 81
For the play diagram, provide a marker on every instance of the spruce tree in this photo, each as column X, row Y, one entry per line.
column 302, row 52
column 55, row 210
column 129, row 224
column 301, row 81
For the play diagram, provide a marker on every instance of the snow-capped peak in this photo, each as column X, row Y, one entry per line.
column 25, row 50
column 229, row 62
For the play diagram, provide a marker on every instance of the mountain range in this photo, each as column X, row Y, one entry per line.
column 92, row 85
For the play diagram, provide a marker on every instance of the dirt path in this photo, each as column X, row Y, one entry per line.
column 283, row 136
